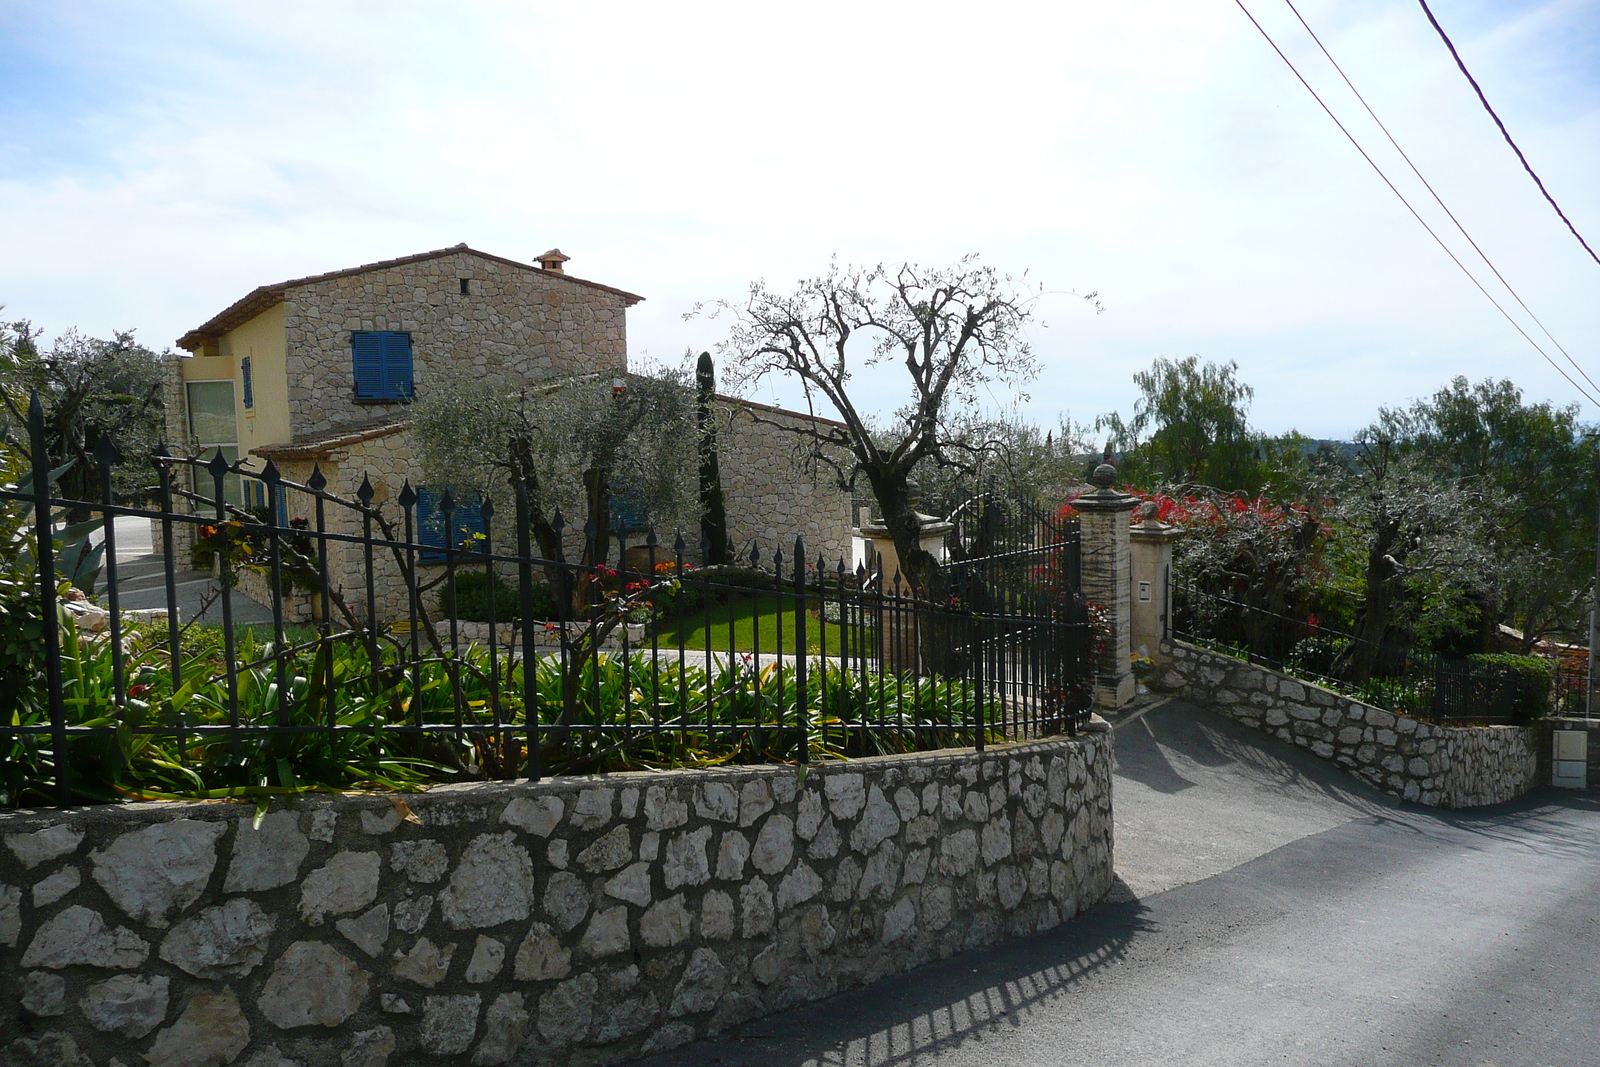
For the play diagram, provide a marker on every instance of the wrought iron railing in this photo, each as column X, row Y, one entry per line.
column 644, row 661
column 1428, row 685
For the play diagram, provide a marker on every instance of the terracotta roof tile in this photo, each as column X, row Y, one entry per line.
column 318, row 447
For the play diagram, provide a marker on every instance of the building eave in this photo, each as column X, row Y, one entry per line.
column 266, row 297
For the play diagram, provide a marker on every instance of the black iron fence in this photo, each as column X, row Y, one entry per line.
column 1427, row 686
column 393, row 659
column 1570, row 690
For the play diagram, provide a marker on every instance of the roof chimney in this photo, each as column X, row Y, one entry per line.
column 552, row 260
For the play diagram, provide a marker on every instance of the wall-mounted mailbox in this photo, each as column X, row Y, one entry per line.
column 1569, row 763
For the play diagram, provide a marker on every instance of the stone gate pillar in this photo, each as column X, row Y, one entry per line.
column 1152, row 582
column 1108, row 579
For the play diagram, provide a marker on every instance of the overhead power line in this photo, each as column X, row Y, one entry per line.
column 1503, row 132
column 1439, row 200
column 1414, row 214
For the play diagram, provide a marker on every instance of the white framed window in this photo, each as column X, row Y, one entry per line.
column 214, row 424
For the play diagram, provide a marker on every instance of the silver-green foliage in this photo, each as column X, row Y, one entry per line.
column 485, row 435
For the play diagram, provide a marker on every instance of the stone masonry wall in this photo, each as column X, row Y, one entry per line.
column 571, row 921
column 1440, row 766
column 773, row 492
column 517, row 322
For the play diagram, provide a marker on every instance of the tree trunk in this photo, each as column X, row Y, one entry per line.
column 1381, row 643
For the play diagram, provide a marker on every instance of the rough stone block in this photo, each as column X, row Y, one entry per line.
column 686, row 862
column 607, row 934
column 542, row 957
column 368, row 1048
column 666, row 923
column 566, row 1012
column 312, row 985
column 80, row 937
column 488, row 957
column 161, row 869
column 348, row 882
column 126, row 1004
column 594, row 809
column 663, row 809
column 537, row 815
column 846, row 794
column 492, row 884
column 420, row 861
column 42, row 846
column 44, row 995
column 426, row 964
column 49, row 890
column 717, row 801
column 212, row 1031
column 449, row 1023
column 755, row 800
column 505, row 1028
column 716, row 916
column 227, row 941
column 774, row 846
column 609, row 852
column 703, row 982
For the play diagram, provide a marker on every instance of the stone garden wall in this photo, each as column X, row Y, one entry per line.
column 773, row 491
column 572, row 921
column 1440, row 766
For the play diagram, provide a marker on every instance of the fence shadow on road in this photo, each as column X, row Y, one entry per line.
column 935, row 1007
column 1206, row 738
column 1515, row 821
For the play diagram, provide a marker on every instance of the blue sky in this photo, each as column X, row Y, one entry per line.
column 159, row 160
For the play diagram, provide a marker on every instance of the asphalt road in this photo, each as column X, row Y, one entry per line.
column 1270, row 911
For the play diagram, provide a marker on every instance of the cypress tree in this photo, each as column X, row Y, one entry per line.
column 713, row 512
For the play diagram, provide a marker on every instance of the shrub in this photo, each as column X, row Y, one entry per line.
column 1535, row 675
column 472, row 599
column 1314, row 656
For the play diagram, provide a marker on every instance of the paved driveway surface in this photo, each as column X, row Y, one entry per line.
column 1270, row 911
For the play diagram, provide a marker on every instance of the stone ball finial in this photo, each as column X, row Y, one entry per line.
column 1103, row 476
column 1148, row 510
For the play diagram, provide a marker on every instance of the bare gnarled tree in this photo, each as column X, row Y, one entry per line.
column 956, row 330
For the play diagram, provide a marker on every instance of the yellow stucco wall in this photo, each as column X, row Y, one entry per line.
column 262, row 340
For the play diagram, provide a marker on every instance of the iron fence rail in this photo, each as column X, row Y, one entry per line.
column 1430, row 686
column 833, row 660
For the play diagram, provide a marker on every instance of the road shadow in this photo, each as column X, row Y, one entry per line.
column 1140, row 756
column 933, row 1007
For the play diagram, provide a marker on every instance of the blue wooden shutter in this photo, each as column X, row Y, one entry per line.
column 366, row 354
column 397, row 366
column 249, row 384
column 466, row 519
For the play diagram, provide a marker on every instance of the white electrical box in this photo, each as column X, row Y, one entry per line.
column 1569, row 765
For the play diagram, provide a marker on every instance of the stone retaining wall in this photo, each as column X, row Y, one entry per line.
column 572, row 921
column 1440, row 766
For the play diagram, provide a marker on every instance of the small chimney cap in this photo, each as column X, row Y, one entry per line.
column 553, row 259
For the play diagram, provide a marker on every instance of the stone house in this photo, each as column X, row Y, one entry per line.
column 317, row 372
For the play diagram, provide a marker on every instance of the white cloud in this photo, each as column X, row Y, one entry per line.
column 1153, row 150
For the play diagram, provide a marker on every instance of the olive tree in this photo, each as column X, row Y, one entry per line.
column 571, row 444
column 957, row 331
column 90, row 388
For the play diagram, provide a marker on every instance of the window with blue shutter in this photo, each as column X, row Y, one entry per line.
column 465, row 519
column 249, row 383
column 381, row 360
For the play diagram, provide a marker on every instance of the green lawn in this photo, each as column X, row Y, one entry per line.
column 293, row 632
column 749, row 615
